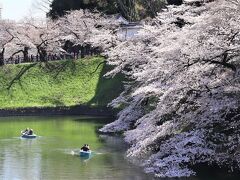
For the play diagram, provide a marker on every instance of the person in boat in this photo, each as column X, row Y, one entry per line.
column 85, row 148
column 30, row 132
column 26, row 131
column 88, row 147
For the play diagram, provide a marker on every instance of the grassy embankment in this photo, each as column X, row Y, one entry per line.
column 62, row 83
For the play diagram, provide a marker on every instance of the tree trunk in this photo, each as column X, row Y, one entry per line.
column 42, row 54
column 82, row 52
column 25, row 54
column 2, row 57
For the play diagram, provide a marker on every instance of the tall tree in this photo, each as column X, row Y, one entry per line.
column 7, row 34
column 130, row 9
column 43, row 37
column 150, row 8
column 83, row 27
column 60, row 7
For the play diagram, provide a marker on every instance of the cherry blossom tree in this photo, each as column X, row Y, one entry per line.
column 44, row 36
column 20, row 44
column 182, row 104
column 7, row 34
column 82, row 27
column 35, row 37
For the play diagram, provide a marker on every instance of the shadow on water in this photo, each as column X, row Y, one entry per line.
column 102, row 120
column 113, row 143
column 98, row 121
column 213, row 172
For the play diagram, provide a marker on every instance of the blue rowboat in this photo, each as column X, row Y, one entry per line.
column 85, row 153
column 29, row 136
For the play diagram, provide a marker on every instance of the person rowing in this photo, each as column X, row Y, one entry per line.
column 30, row 132
column 25, row 132
column 85, row 148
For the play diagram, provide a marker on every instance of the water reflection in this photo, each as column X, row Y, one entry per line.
column 17, row 157
column 49, row 157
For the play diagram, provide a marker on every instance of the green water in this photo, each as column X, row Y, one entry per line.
column 50, row 156
column 55, row 154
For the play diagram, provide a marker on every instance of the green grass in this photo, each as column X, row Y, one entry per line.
column 62, row 83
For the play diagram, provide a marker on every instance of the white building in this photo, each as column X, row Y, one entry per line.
column 128, row 30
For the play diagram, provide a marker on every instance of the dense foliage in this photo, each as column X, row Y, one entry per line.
column 131, row 9
column 46, row 38
column 182, row 108
column 60, row 7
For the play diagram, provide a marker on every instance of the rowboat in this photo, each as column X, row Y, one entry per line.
column 26, row 136
column 85, row 153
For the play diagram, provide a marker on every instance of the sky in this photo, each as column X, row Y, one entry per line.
column 18, row 9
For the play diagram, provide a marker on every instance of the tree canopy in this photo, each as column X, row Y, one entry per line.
column 182, row 106
column 130, row 9
column 60, row 7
